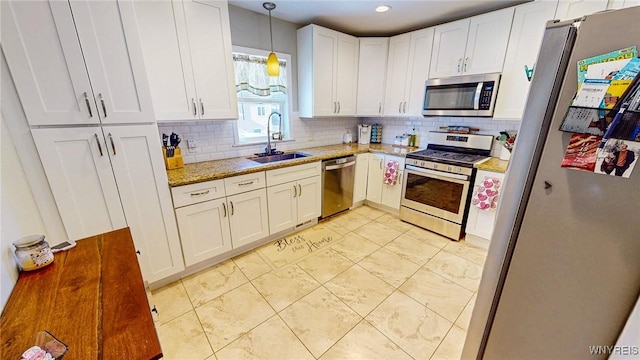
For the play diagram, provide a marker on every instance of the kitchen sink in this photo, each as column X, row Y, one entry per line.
column 265, row 159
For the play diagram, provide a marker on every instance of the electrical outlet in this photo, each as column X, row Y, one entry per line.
column 192, row 145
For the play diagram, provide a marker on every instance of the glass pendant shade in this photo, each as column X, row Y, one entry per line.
column 273, row 65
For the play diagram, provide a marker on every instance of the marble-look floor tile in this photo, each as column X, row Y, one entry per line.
column 171, row 301
column 251, row 265
column 270, row 340
column 467, row 251
column 359, row 289
column 432, row 238
column 332, row 224
column 324, row 265
column 368, row 212
column 437, row 293
column 184, row 338
column 452, row 345
column 364, row 342
column 283, row 287
column 351, row 220
column 227, row 317
column 412, row 249
column 355, row 247
column 319, row 320
column 378, row 233
column 461, row 271
column 394, row 222
column 465, row 317
column 389, row 267
column 213, row 282
column 416, row 329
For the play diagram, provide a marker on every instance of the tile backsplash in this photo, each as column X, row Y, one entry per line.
column 215, row 139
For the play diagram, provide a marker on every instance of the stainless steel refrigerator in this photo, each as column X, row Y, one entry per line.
column 563, row 267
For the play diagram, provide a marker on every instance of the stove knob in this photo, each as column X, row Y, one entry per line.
column 449, row 168
column 435, row 166
column 421, row 163
column 459, row 169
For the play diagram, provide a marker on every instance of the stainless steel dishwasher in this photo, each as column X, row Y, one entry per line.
column 337, row 185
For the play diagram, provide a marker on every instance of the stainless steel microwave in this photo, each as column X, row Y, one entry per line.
column 472, row 95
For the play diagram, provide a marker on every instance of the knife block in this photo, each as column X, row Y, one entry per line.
column 174, row 162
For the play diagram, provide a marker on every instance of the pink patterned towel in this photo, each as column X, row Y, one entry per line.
column 391, row 173
column 486, row 195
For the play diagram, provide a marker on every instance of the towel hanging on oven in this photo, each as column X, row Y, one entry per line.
column 391, row 173
column 486, row 194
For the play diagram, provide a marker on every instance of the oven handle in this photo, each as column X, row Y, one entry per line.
column 437, row 173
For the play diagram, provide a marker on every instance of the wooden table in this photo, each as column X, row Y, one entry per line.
column 91, row 298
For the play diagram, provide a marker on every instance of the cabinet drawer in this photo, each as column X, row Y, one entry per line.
column 243, row 183
column 292, row 173
column 195, row 193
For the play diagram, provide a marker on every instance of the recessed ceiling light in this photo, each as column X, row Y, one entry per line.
column 383, row 8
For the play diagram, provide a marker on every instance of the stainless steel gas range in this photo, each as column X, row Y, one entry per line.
column 435, row 192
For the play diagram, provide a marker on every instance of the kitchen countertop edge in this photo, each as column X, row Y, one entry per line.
column 493, row 164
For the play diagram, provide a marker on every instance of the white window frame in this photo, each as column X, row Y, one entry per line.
column 287, row 58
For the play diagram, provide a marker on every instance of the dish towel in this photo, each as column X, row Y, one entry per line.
column 486, row 195
column 391, row 173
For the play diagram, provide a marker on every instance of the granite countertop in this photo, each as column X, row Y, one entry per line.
column 493, row 164
column 219, row 169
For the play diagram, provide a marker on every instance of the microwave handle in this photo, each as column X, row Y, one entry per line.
column 476, row 98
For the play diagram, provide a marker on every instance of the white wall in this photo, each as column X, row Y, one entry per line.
column 19, row 214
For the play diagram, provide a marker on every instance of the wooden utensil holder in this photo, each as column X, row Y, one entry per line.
column 174, row 162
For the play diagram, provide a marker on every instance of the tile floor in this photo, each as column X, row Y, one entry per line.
column 384, row 290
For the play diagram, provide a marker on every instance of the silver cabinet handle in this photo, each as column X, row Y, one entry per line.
column 404, row 108
column 113, row 146
column 459, row 62
column 295, row 192
column 200, row 193
column 224, row 209
column 232, row 209
column 201, row 108
column 246, row 183
column 195, row 111
column 380, row 164
column 98, row 142
column 335, row 107
column 379, row 108
column 300, row 190
column 104, row 108
column 464, row 67
column 86, row 100
column 338, row 107
column 400, row 107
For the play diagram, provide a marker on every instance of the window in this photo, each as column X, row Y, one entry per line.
column 262, row 100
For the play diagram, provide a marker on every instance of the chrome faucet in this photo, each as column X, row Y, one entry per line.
column 269, row 150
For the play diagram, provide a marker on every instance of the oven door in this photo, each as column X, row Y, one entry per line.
column 436, row 193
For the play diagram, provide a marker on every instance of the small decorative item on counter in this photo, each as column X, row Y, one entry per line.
column 508, row 141
column 32, row 252
column 47, row 348
column 413, row 138
column 376, row 133
column 347, row 138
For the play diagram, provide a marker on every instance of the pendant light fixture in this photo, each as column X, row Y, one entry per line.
column 273, row 64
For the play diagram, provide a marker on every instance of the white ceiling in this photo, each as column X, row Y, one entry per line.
column 358, row 17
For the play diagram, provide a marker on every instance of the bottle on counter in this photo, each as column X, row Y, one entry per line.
column 413, row 138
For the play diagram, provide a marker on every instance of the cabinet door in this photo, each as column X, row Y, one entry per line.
column 325, row 47
column 282, row 207
column 448, row 49
column 204, row 230
column 209, row 34
column 573, row 9
column 46, row 63
column 360, row 181
column 372, row 69
column 375, row 177
column 110, row 43
column 79, row 173
column 397, row 74
column 391, row 194
column 346, row 74
column 309, row 199
column 165, row 46
column 249, row 218
column 619, row 4
column 481, row 222
column 418, row 70
column 524, row 44
column 142, row 181
column 487, row 42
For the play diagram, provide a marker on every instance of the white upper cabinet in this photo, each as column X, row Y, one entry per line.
column 372, row 68
column 475, row 45
column 81, row 64
column 407, row 71
column 524, row 44
column 187, row 50
column 619, row 4
column 327, row 72
column 573, row 9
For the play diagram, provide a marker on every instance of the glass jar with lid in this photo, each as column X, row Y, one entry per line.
column 32, row 252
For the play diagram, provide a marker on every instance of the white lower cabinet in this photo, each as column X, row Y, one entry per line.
column 360, row 181
column 248, row 219
column 480, row 223
column 377, row 191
